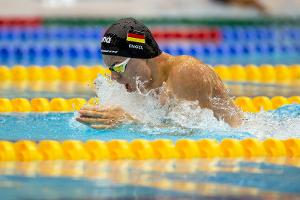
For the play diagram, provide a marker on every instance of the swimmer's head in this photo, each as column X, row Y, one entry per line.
column 134, row 70
column 129, row 38
column 127, row 46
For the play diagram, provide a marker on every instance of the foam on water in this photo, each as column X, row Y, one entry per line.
column 268, row 124
column 185, row 117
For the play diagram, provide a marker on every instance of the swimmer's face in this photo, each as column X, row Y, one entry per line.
column 135, row 69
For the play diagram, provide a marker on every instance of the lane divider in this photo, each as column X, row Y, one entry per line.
column 268, row 74
column 44, row 105
column 52, row 73
column 139, row 149
column 259, row 103
column 246, row 104
column 279, row 74
column 21, row 22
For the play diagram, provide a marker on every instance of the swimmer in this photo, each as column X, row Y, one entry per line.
column 130, row 52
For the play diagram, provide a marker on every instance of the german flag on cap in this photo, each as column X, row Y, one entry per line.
column 135, row 36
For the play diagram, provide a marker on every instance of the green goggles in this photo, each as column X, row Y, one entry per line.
column 119, row 68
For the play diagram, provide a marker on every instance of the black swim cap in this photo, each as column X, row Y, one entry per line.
column 129, row 38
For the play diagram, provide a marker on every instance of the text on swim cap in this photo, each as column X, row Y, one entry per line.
column 135, row 46
column 106, row 40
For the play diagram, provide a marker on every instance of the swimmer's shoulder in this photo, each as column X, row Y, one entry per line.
column 188, row 59
column 188, row 65
column 188, row 71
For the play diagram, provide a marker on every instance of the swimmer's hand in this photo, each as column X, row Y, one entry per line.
column 103, row 117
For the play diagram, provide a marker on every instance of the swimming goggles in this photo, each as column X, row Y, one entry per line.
column 121, row 67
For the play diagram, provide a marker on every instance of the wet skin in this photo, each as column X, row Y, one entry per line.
column 184, row 77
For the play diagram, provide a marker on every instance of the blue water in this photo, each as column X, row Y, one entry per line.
column 61, row 126
column 291, row 110
column 168, row 179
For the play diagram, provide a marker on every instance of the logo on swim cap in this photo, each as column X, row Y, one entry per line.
column 135, row 36
column 106, row 40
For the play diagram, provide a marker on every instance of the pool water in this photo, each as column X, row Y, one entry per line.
column 268, row 178
column 167, row 179
column 283, row 123
column 62, row 126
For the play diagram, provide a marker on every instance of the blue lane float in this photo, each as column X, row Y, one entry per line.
column 229, row 33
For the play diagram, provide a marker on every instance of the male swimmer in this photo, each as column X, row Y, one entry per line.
column 130, row 52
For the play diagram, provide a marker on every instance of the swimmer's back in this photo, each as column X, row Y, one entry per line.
column 191, row 79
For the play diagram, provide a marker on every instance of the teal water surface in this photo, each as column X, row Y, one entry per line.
column 160, row 179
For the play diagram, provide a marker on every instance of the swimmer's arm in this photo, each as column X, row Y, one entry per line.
column 228, row 112
column 220, row 102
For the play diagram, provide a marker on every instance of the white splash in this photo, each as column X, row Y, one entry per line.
column 184, row 115
column 266, row 124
